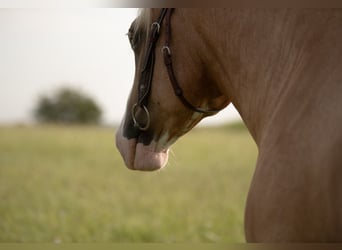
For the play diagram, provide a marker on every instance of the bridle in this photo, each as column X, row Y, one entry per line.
column 145, row 83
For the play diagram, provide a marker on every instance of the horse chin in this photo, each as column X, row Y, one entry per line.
column 138, row 156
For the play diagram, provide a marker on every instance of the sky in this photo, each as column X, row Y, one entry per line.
column 43, row 49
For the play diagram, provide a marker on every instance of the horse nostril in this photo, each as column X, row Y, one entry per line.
column 129, row 131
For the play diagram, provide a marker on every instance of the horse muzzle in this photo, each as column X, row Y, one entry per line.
column 138, row 156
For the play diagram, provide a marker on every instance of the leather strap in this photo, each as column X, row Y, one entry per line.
column 169, row 66
column 144, row 86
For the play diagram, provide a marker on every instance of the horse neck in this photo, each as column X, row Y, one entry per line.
column 269, row 62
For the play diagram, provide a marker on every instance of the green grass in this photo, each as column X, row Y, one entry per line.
column 69, row 184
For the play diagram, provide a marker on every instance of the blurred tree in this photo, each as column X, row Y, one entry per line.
column 67, row 106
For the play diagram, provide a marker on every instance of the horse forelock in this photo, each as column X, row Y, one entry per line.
column 143, row 19
column 139, row 27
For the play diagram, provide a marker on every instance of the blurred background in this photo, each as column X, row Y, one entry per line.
column 65, row 75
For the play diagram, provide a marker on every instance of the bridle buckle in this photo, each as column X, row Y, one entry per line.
column 157, row 25
column 166, row 49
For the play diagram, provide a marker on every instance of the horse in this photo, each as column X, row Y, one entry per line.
column 282, row 70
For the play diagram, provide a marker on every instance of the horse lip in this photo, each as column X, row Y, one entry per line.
column 148, row 160
column 143, row 158
column 126, row 147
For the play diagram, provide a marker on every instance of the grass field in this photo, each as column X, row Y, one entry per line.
column 69, row 184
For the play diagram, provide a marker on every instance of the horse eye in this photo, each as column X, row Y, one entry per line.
column 133, row 38
column 130, row 36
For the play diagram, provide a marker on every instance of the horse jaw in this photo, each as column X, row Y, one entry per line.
column 138, row 156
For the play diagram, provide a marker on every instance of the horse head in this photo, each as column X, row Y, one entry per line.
column 172, row 91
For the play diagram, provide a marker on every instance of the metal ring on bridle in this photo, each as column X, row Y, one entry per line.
column 136, row 123
column 156, row 24
column 167, row 49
